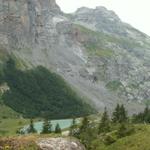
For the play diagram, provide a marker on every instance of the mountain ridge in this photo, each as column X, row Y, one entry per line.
column 108, row 63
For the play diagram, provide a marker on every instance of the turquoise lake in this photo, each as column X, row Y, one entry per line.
column 64, row 123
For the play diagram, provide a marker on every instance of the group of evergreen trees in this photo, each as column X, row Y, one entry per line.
column 118, row 121
column 119, row 124
column 37, row 92
column 85, row 132
column 119, row 116
column 143, row 117
column 47, row 127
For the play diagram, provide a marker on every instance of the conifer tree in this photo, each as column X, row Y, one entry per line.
column 86, row 133
column 115, row 115
column 31, row 128
column 142, row 117
column 72, row 127
column 104, row 125
column 125, row 130
column 146, row 115
column 47, row 127
column 121, row 131
column 57, row 128
column 119, row 115
column 85, row 124
column 123, row 114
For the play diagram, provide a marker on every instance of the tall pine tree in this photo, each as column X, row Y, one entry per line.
column 119, row 115
column 73, row 127
column 116, row 113
column 123, row 114
column 31, row 128
column 142, row 117
column 57, row 128
column 86, row 133
column 85, row 124
column 104, row 125
column 47, row 127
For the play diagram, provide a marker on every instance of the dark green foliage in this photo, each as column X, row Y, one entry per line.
column 47, row 127
column 73, row 127
column 31, row 128
column 143, row 117
column 108, row 139
column 87, row 133
column 85, row 124
column 112, row 135
column 109, row 135
column 124, row 130
column 104, row 125
column 40, row 93
column 121, row 131
column 123, row 114
column 119, row 115
column 113, row 85
column 57, row 128
column 116, row 115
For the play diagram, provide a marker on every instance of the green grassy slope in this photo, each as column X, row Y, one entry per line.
column 7, row 112
column 103, row 38
column 137, row 141
column 19, row 143
column 98, row 43
column 9, row 127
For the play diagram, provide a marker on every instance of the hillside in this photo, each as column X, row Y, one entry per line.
column 56, row 66
column 116, row 131
column 100, row 56
column 137, row 141
column 40, row 93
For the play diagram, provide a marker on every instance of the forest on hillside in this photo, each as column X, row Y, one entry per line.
column 40, row 93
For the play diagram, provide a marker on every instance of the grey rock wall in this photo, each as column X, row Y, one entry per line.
column 39, row 33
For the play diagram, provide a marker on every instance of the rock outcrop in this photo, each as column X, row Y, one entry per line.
column 59, row 144
column 104, row 59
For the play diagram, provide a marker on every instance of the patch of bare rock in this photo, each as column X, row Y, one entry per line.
column 59, row 144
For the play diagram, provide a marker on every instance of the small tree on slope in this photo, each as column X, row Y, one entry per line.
column 57, row 128
column 47, row 127
column 104, row 125
column 31, row 128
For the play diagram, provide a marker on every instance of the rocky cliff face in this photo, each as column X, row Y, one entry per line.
column 104, row 59
column 22, row 21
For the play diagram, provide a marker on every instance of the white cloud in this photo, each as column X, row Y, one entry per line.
column 134, row 12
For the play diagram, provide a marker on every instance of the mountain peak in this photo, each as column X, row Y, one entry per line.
column 99, row 19
column 99, row 10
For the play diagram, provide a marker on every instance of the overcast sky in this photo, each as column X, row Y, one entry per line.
column 134, row 12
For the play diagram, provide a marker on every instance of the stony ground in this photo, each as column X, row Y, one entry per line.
column 40, row 143
column 59, row 144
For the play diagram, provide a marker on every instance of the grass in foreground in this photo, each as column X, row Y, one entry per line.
column 140, row 140
column 19, row 143
column 8, row 127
